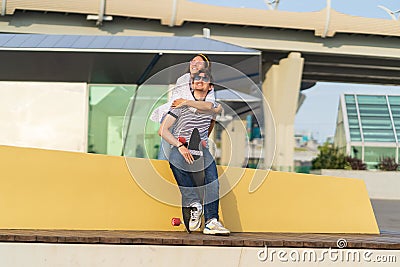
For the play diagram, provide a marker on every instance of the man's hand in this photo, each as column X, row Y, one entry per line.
column 179, row 103
column 186, row 154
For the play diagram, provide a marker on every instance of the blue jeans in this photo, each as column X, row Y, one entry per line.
column 165, row 149
column 190, row 193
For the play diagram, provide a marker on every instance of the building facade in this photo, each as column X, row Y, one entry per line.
column 368, row 127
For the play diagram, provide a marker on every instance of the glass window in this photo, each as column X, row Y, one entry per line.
column 371, row 99
column 394, row 100
column 349, row 99
column 375, row 119
column 398, row 151
column 352, row 115
column 142, row 139
column 107, row 107
column 395, row 108
column 353, row 121
column 372, row 155
column 108, row 110
column 355, row 135
column 356, row 152
column 351, row 110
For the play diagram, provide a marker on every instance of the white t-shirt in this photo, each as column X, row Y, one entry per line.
column 181, row 90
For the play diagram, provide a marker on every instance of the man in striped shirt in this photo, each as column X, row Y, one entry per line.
column 182, row 162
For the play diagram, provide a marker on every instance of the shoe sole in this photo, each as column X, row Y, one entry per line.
column 211, row 232
column 197, row 227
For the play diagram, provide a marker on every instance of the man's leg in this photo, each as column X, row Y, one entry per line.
column 211, row 199
column 186, row 186
column 192, row 209
column 211, row 194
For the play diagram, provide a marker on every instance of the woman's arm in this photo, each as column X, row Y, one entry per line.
column 212, row 124
column 201, row 106
column 182, row 87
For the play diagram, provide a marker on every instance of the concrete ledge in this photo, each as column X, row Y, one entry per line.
column 380, row 184
column 74, row 255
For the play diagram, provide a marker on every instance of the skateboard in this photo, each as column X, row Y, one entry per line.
column 195, row 148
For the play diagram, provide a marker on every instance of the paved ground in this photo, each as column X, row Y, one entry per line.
column 387, row 214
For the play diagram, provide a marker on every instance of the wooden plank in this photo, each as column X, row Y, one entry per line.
column 383, row 241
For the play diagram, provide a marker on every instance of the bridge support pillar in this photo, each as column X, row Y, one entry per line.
column 281, row 88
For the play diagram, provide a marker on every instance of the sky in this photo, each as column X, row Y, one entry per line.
column 318, row 114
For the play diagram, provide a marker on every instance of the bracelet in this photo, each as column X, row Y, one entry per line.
column 180, row 145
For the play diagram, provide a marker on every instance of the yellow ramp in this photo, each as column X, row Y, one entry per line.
column 44, row 189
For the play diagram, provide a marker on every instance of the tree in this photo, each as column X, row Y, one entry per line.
column 329, row 157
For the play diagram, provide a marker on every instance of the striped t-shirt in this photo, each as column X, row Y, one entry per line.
column 186, row 121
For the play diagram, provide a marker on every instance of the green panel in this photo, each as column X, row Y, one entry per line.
column 356, row 152
column 143, row 139
column 349, row 99
column 380, row 136
column 108, row 107
column 353, row 121
column 371, row 99
column 394, row 100
column 372, row 155
column 395, row 108
column 375, row 119
column 351, row 110
column 106, row 101
column 352, row 116
column 355, row 135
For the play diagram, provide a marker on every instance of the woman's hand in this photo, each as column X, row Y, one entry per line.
column 186, row 154
column 179, row 103
column 218, row 109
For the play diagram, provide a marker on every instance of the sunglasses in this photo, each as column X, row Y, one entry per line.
column 199, row 78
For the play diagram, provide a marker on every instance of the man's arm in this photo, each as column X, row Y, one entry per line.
column 165, row 133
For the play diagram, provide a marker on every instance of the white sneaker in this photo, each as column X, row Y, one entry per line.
column 214, row 227
column 196, row 210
